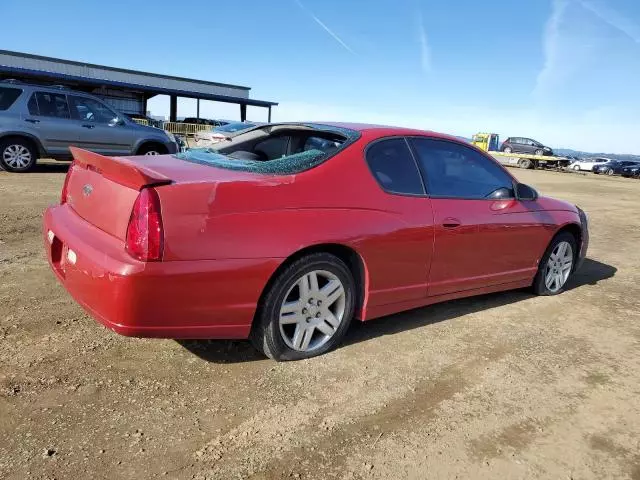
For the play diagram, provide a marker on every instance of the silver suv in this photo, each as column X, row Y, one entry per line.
column 37, row 121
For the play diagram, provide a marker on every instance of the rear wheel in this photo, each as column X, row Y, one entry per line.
column 576, row 168
column 307, row 309
column 17, row 155
column 508, row 150
column 610, row 171
column 525, row 163
column 556, row 265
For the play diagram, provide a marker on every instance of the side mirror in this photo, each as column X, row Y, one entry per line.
column 525, row 192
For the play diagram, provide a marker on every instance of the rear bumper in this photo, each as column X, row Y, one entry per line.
column 181, row 299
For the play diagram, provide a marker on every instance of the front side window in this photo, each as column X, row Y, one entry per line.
column 456, row 171
column 273, row 147
column 322, row 144
column 90, row 110
column 8, row 96
column 52, row 105
column 393, row 166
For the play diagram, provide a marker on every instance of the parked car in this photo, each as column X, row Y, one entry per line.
column 587, row 164
column 207, row 138
column 631, row 171
column 327, row 223
column 614, row 167
column 38, row 121
column 524, row 145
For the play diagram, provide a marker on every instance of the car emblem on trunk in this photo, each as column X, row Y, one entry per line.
column 87, row 190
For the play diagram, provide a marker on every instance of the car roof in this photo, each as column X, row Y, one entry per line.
column 382, row 129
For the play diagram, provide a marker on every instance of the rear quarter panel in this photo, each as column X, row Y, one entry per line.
column 337, row 202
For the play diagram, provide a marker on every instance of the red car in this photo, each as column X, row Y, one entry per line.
column 285, row 233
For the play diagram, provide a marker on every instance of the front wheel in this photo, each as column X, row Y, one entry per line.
column 307, row 310
column 576, row 168
column 539, row 152
column 556, row 265
column 152, row 149
column 17, row 155
column 610, row 172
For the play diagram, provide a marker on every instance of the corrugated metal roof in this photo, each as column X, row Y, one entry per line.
column 33, row 66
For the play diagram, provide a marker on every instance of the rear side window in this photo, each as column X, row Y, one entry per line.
column 393, row 166
column 52, row 105
column 456, row 171
column 8, row 96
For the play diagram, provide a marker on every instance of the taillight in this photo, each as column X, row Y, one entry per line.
column 145, row 235
column 65, row 186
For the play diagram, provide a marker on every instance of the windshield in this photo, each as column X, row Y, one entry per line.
column 278, row 149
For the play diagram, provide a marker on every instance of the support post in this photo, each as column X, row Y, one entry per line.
column 243, row 112
column 173, row 108
column 198, row 108
column 144, row 105
column 269, row 118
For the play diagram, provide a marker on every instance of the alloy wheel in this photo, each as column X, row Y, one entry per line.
column 558, row 267
column 312, row 311
column 152, row 152
column 17, row 156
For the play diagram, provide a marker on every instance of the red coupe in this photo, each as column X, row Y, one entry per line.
column 285, row 233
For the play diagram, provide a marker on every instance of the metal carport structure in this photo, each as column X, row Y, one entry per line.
column 125, row 90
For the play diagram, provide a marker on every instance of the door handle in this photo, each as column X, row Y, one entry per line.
column 451, row 222
column 31, row 120
column 89, row 126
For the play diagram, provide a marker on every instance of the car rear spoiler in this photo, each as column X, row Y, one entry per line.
column 118, row 169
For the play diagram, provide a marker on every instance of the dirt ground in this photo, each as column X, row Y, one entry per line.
column 501, row 386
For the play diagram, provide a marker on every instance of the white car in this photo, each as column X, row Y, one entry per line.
column 214, row 135
column 587, row 164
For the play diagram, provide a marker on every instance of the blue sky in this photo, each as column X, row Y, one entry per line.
column 566, row 72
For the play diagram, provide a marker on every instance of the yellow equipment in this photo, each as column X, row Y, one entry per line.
column 489, row 142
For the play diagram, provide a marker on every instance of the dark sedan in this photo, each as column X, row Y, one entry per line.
column 614, row 167
column 631, row 171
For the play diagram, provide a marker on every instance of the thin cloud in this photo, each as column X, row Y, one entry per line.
column 425, row 50
column 613, row 18
column 325, row 27
column 551, row 45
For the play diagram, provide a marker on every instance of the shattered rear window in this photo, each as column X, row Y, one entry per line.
column 287, row 165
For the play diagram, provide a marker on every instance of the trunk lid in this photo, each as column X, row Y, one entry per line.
column 102, row 190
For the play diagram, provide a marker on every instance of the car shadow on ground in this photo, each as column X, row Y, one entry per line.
column 50, row 167
column 224, row 351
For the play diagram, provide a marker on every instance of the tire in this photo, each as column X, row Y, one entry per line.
column 610, row 172
column 541, row 286
column 508, row 150
column 306, row 322
column 577, row 168
column 152, row 149
column 539, row 152
column 17, row 155
column 525, row 163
